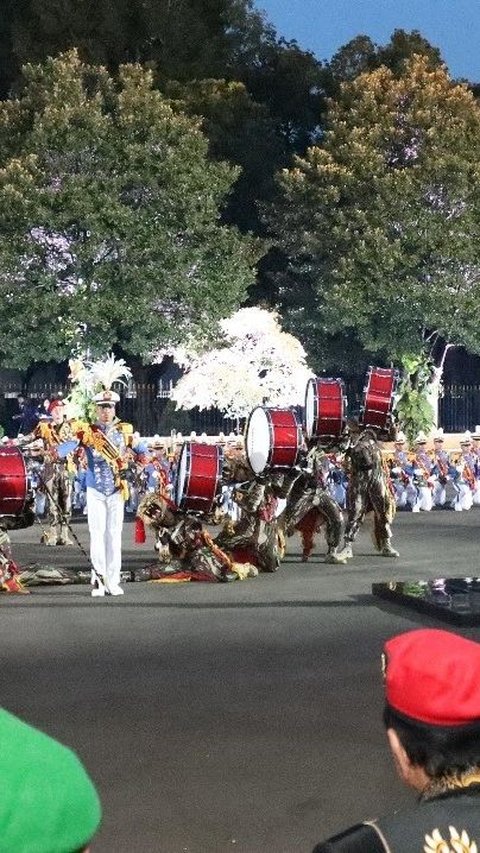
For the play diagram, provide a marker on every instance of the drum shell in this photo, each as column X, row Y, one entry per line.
column 328, row 402
column 378, row 397
column 13, row 481
column 283, row 442
column 199, row 476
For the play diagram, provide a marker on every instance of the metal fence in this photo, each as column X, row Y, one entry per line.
column 149, row 408
column 459, row 408
column 146, row 406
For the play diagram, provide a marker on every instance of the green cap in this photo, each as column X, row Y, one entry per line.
column 48, row 803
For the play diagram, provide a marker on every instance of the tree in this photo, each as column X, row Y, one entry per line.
column 182, row 39
column 256, row 364
column 109, row 212
column 381, row 225
column 360, row 55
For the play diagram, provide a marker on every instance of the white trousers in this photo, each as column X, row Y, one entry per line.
column 105, row 522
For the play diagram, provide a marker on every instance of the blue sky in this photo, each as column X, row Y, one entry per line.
column 323, row 26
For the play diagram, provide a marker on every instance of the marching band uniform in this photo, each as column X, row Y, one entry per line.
column 309, row 504
column 422, row 475
column 476, row 455
column 465, row 466
column 107, row 459
column 442, row 469
column 401, row 472
column 56, row 474
column 368, row 489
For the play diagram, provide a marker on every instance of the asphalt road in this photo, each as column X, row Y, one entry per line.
column 225, row 717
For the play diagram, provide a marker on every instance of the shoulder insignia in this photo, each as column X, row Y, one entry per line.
column 457, row 843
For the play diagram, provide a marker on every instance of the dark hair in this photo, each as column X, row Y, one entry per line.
column 440, row 750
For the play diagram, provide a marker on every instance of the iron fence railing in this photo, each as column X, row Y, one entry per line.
column 149, row 408
column 146, row 405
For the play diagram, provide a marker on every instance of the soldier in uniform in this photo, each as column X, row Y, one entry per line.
column 432, row 718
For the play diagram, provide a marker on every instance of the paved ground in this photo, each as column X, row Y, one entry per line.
column 238, row 717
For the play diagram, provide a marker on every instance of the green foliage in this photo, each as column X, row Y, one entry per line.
column 381, row 225
column 413, row 410
column 109, row 215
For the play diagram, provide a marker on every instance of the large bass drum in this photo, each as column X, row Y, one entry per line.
column 273, row 439
column 13, row 481
column 325, row 408
column 378, row 398
column 198, row 476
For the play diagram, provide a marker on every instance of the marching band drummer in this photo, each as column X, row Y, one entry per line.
column 57, row 473
column 107, row 452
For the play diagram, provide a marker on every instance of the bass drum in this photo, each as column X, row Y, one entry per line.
column 379, row 393
column 325, row 408
column 273, row 438
column 198, row 477
column 13, row 481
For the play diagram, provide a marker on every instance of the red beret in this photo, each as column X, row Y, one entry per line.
column 55, row 404
column 433, row 676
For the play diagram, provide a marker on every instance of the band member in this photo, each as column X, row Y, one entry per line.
column 442, row 470
column 255, row 536
column 423, row 477
column 310, row 505
column 369, row 489
column 107, row 456
column 56, row 474
column 476, row 455
column 465, row 466
column 401, row 472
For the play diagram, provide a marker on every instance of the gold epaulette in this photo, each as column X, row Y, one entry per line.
column 127, row 431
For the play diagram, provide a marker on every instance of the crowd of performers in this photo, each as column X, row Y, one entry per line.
column 431, row 476
column 216, row 512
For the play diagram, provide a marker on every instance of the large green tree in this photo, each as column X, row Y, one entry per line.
column 109, row 218
column 381, row 225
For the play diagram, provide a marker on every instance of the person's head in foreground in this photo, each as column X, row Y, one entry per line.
column 432, row 709
column 49, row 803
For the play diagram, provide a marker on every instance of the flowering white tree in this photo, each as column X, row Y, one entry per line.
column 256, row 364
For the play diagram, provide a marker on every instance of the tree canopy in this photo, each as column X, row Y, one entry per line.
column 381, row 224
column 109, row 212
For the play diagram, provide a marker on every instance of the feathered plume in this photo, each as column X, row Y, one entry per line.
column 90, row 377
column 105, row 373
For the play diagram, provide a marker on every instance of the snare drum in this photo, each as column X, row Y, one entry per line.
column 378, row 397
column 198, row 477
column 13, row 481
column 273, row 439
column 325, row 408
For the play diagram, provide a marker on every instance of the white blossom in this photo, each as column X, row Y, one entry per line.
column 257, row 364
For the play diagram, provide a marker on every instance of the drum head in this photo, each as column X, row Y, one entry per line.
column 258, row 439
column 181, row 474
column 310, row 401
